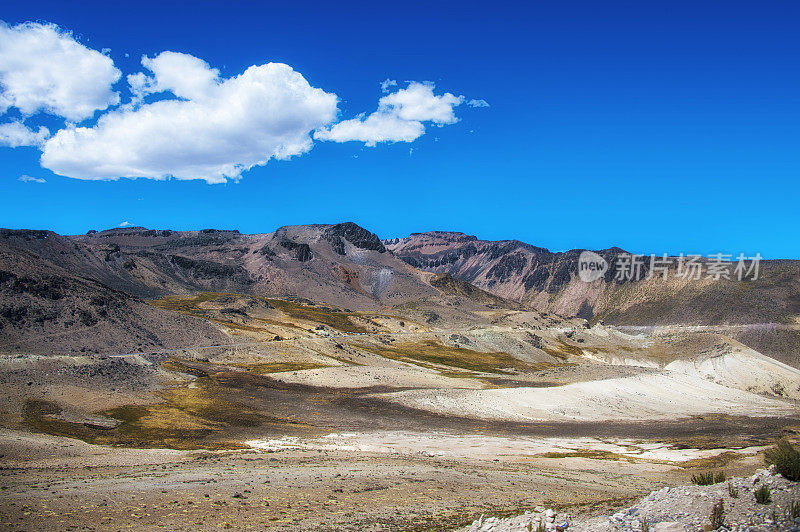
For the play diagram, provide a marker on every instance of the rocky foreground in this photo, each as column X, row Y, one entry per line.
column 680, row 509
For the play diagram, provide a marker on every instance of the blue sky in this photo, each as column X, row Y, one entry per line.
column 655, row 126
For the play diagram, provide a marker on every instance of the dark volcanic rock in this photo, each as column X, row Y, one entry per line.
column 508, row 266
column 26, row 234
column 302, row 252
column 356, row 235
column 207, row 268
column 537, row 279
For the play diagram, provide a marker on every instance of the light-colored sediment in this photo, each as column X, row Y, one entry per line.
column 663, row 395
column 483, row 447
column 366, row 376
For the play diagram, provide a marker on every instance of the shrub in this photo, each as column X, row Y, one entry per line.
column 645, row 525
column 733, row 491
column 794, row 510
column 786, row 460
column 717, row 516
column 763, row 495
column 539, row 527
column 703, row 479
column 706, row 479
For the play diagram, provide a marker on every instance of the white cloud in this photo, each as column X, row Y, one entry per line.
column 385, row 84
column 183, row 75
column 43, row 68
column 399, row 117
column 478, row 103
column 377, row 127
column 16, row 134
column 417, row 102
column 30, row 179
column 126, row 223
column 218, row 128
column 200, row 126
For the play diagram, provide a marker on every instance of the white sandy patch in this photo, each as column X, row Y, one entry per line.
column 665, row 395
column 618, row 360
column 364, row 376
column 480, row 447
column 745, row 369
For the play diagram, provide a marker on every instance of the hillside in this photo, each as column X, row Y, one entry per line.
column 89, row 293
column 763, row 313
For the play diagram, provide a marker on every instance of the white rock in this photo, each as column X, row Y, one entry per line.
column 668, row 526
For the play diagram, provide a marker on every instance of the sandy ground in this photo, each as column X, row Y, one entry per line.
column 366, row 376
column 664, row 395
column 744, row 369
column 95, row 488
column 485, row 447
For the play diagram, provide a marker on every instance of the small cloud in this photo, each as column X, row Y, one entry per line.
column 15, row 134
column 411, row 151
column 478, row 103
column 385, row 84
column 31, row 179
column 399, row 117
column 125, row 224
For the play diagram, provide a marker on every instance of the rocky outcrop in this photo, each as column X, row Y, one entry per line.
column 302, row 251
column 452, row 286
column 210, row 269
column 356, row 235
column 676, row 509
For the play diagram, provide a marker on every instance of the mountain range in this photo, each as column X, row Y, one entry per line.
column 89, row 292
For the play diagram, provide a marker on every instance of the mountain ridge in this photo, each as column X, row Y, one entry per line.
column 347, row 266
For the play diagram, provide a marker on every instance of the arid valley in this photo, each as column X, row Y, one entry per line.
column 313, row 379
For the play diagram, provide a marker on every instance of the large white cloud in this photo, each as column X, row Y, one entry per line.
column 199, row 126
column 399, row 118
column 43, row 68
column 16, row 134
column 216, row 130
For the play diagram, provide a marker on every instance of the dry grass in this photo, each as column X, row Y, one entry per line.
column 264, row 368
column 422, row 353
column 190, row 305
column 563, row 350
column 597, row 455
column 187, row 304
column 187, row 418
column 720, row 460
column 333, row 318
